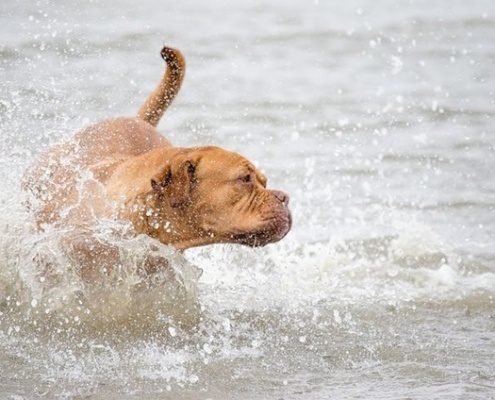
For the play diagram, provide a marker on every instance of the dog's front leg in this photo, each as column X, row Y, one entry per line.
column 93, row 259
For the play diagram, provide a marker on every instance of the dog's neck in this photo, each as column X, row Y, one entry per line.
column 154, row 217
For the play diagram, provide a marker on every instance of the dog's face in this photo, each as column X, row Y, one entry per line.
column 223, row 197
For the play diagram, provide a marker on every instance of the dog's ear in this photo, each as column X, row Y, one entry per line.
column 174, row 182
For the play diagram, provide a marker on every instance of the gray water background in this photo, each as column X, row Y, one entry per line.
column 376, row 117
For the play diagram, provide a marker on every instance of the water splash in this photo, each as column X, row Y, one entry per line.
column 41, row 287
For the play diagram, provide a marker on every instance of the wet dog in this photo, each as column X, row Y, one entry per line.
column 185, row 197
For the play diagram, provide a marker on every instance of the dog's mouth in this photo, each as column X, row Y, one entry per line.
column 275, row 229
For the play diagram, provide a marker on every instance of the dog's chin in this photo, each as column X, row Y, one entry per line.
column 272, row 231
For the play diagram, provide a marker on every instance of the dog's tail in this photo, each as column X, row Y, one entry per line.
column 158, row 101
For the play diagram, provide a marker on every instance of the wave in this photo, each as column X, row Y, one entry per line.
column 41, row 290
column 413, row 265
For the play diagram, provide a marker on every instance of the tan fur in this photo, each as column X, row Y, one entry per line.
column 123, row 168
column 156, row 104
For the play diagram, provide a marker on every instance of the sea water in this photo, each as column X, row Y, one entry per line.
column 376, row 117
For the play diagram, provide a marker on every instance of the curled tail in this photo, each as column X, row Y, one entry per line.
column 158, row 101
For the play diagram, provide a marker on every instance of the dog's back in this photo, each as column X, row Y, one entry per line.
column 55, row 178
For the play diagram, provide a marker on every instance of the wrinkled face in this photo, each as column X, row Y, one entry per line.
column 228, row 198
column 234, row 203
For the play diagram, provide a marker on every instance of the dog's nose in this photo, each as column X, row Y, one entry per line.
column 283, row 197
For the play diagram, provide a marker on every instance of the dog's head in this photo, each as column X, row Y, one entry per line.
column 218, row 196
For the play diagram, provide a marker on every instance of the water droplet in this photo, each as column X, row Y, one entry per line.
column 207, row 348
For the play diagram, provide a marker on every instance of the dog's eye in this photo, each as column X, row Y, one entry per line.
column 245, row 178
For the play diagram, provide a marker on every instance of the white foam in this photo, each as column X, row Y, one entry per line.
column 413, row 264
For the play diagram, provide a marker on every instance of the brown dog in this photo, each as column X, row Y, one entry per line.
column 123, row 168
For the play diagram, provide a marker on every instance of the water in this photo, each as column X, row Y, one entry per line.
column 377, row 118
